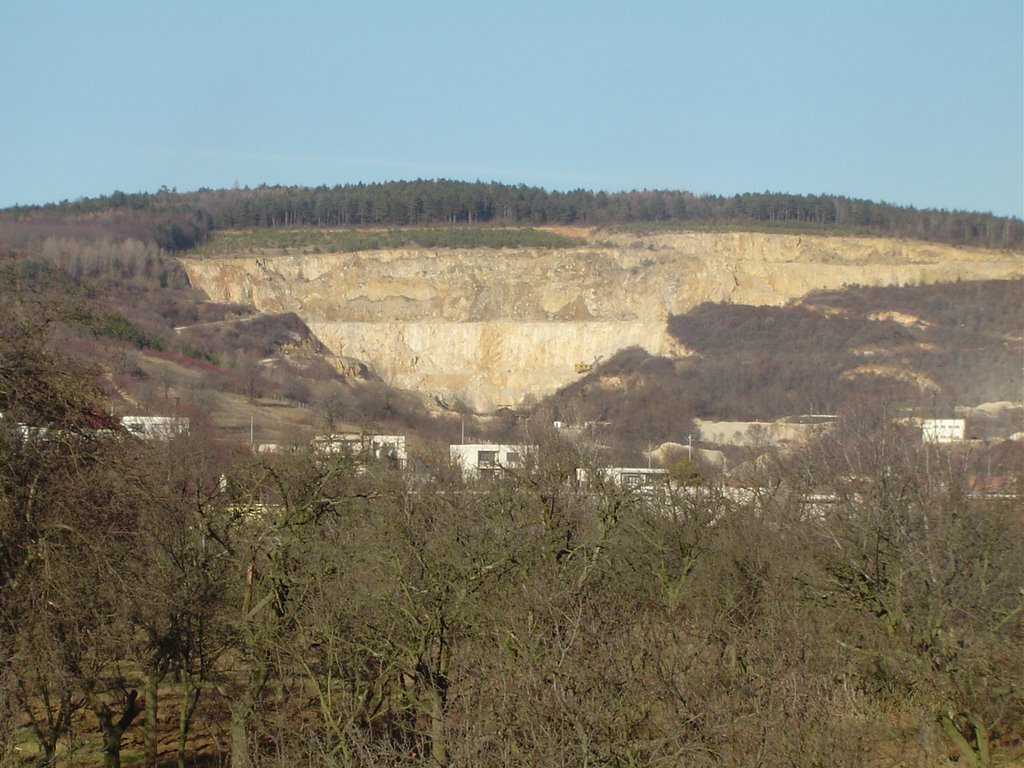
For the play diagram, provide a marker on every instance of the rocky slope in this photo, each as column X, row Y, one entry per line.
column 491, row 327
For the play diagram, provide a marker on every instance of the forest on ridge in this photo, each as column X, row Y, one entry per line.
column 180, row 220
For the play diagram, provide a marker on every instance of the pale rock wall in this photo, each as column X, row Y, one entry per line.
column 487, row 364
column 491, row 326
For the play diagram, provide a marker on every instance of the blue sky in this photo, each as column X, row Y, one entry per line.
column 915, row 103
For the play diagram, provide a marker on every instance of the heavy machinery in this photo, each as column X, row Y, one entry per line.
column 582, row 367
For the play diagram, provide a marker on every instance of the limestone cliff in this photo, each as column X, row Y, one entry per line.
column 493, row 326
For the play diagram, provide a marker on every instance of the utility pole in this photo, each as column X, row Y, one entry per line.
column 689, row 447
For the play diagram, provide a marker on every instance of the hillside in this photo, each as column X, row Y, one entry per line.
column 157, row 346
column 932, row 348
column 349, row 318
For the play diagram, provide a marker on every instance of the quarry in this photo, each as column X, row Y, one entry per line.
column 489, row 327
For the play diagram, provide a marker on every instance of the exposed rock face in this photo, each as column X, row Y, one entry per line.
column 493, row 326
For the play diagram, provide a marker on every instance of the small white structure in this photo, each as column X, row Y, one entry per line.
column 487, row 460
column 364, row 447
column 943, row 430
column 638, row 478
column 155, row 427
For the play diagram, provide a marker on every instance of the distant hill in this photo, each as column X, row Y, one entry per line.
column 160, row 343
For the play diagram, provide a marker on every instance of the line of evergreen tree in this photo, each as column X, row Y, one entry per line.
column 177, row 221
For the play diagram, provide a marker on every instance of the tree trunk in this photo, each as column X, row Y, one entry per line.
column 242, row 709
column 190, row 698
column 974, row 758
column 436, row 684
column 438, row 746
column 111, row 748
column 239, row 734
column 48, row 727
column 49, row 755
column 152, row 682
column 112, row 732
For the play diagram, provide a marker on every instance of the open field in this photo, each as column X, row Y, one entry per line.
column 294, row 241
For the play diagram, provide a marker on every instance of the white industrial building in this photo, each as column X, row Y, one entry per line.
column 943, row 430
column 364, row 446
column 639, row 478
column 487, row 460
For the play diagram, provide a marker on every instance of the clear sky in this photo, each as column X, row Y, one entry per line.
column 915, row 103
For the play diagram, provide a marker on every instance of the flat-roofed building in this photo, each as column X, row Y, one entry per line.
column 488, row 460
column 943, row 430
column 365, row 446
column 639, row 478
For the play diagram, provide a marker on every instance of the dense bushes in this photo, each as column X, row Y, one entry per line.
column 121, row 328
column 320, row 613
column 307, row 610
